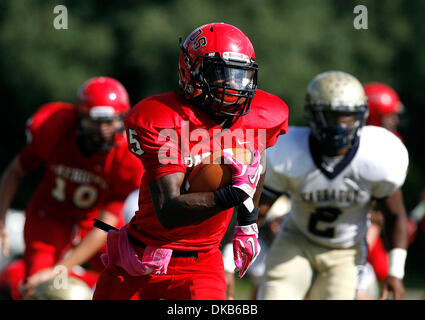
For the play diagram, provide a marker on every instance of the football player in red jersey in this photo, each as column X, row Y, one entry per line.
column 88, row 174
column 385, row 106
column 170, row 248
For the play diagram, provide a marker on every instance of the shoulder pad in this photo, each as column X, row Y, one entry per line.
column 383, row 158
column 291, row 153
column 160, row 111
column 50, row 120
column 268, row 112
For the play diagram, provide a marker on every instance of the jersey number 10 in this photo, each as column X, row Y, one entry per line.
column 83, row 197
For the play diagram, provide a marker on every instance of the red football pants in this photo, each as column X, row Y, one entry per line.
column 47, row 239
column 199, row 278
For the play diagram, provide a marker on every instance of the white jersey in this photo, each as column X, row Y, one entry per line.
column 331, row 207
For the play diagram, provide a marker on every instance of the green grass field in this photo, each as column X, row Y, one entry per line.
column 414, row 283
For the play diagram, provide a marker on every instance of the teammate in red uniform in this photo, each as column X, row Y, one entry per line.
column 385, row 108
column 88, row 174
column 170, row 249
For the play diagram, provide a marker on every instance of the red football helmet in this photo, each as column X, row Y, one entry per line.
column 102, row 98
column 102, row 103
column 382, row 100
column 217, row 69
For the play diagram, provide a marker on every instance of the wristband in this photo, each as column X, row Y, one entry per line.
column 246, row 217
column 397, row 259
column 228, row 197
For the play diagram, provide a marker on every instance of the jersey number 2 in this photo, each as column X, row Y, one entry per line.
column 326, row 214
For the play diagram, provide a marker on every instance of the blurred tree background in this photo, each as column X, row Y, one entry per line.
column 137, row 43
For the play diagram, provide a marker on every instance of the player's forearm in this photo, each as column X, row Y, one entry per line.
column 187, row 209
column 9, row 183
column 396, row 229
column 174, row 209
column 395, row 222
column 396, row 226
column 90, row 244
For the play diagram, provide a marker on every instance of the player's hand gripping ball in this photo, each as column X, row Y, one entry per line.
column 213, row 172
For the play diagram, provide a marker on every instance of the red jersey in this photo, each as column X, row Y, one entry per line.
column 75, row 187
column 378, row 258
column 170, row 135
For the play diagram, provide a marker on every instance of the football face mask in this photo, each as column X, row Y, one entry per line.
column 335, row 129
column 98, row 134
column 229, row 86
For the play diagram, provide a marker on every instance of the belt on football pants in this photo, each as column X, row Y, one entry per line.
column 176, row 253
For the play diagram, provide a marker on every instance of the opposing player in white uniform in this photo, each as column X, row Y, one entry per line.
column 332, row 170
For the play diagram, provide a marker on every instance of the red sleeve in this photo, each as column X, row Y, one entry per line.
column 155, row 144
column 270, row 113
column 277, row 118
column 44, row 131
column 29, row 158
column 281, row 128
column 378, row 258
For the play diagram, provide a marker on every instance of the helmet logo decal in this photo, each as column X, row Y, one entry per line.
column 201, row 42
column 198, row 43
column 195, row 34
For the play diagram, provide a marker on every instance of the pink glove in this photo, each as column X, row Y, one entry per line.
column 245, row 177
column 245, row 247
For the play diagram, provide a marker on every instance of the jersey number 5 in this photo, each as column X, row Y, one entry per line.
column 134, row 142
column 326, row 214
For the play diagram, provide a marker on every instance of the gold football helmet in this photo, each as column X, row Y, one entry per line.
column 330, row 95
column 70, row 288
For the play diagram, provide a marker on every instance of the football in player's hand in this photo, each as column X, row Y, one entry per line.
column 212, row 173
